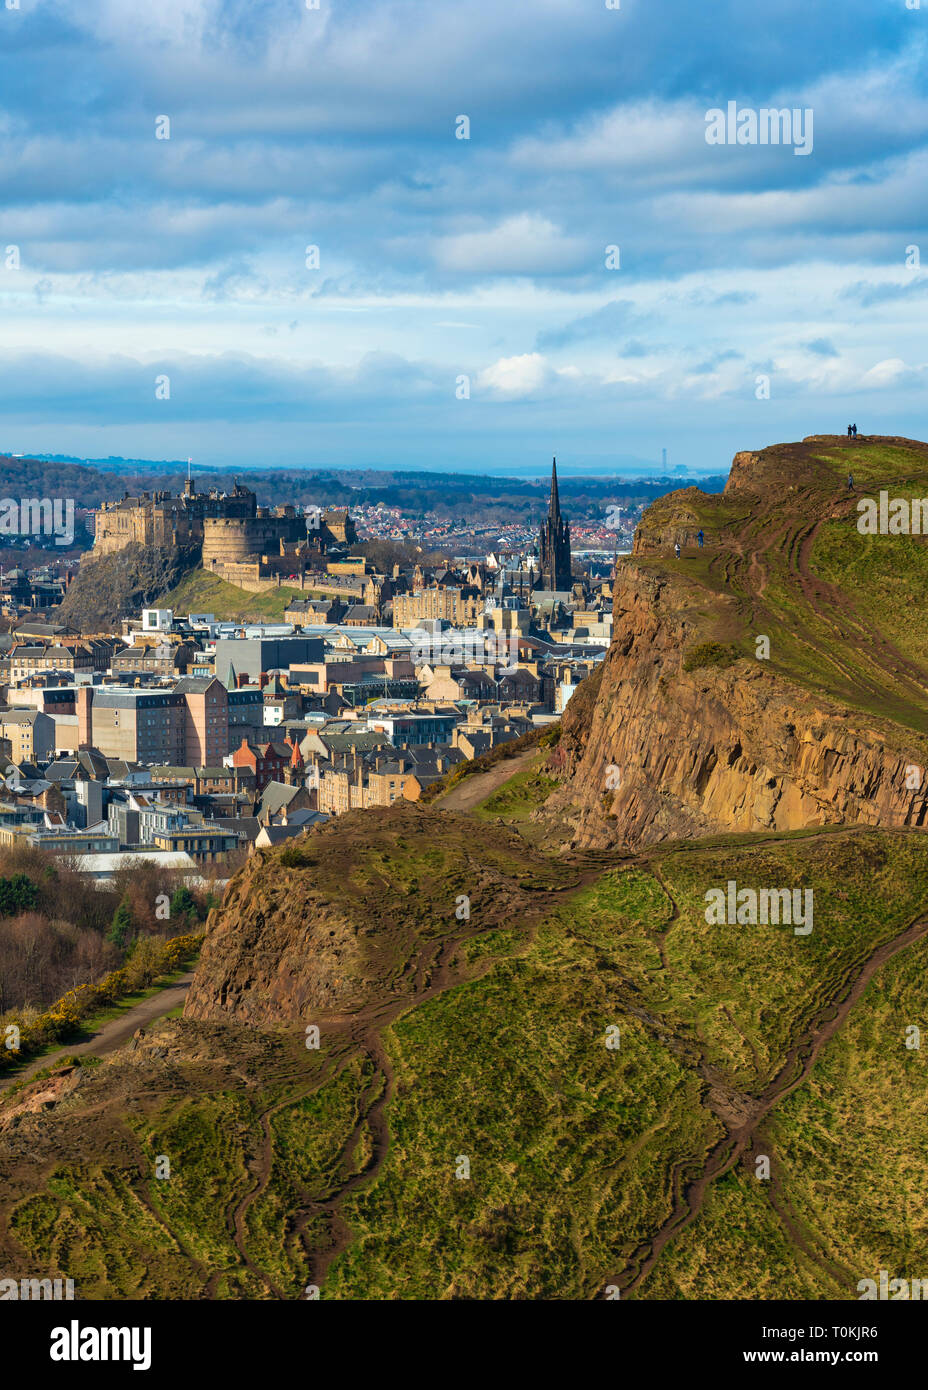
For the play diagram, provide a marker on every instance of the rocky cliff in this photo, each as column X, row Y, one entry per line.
column 108, row 587
column 361, row 913
column 692, row 727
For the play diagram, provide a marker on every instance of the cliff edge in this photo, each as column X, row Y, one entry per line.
column 773, row 678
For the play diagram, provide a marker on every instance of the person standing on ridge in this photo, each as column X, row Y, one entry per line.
column 854, row 429
column 850, row 431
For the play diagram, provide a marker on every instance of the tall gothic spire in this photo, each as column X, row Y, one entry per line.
column 554, row 543
column 555, row 508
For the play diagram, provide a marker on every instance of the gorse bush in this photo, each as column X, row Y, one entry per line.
column 59, row 928
column 149, row 959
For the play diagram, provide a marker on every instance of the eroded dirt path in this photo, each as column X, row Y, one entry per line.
column 112, row 1034
column 800, row 1059
column 472, row 790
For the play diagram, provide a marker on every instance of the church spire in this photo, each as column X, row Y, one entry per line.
column 554, row 543
column 555, row 508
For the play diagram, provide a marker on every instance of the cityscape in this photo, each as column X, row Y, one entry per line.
column 463, row 684
column 205, row 737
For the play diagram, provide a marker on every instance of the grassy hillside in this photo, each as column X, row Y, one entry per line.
column 200, row 592
column 783, row 558
column 540, row 1072
column 464, row 1130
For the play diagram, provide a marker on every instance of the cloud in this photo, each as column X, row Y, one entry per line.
column 525, row 244
column 619, row 315
column 439, row 256
column 515, row 378
column 868, row 293
column 821, row 347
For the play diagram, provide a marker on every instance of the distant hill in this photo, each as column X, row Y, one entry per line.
column 457, row 495
column 30, row 477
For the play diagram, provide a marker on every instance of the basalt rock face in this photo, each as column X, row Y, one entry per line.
column 109, row 586
column 359, row 914
column 274, row 953
column 651, row 751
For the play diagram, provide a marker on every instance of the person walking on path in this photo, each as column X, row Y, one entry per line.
column 700, row 537
column 676, row 550
column 850, row 482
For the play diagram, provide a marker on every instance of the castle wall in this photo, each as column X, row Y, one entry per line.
column 161, row 520
column 228, row 539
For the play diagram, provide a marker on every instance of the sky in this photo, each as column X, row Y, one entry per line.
column 168, row 167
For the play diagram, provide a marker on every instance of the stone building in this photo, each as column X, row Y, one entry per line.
column 158, row 518
column 229, row 527
column 554, row 565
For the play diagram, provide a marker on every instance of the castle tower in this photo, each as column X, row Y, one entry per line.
column 554, row 571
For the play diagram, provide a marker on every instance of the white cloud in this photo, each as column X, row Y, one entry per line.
column 516, row 377
column 524, row 244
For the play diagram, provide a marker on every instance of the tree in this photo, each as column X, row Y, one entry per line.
column 183, row 904
column 144, row 963
column 122, row 925
column 17, row 894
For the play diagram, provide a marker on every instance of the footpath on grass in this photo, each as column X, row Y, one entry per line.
column 470, row 791
column 111, row 1034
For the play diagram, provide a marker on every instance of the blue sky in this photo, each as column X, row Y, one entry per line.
column 441, row 258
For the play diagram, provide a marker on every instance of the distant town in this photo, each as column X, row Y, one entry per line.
column 399, row 650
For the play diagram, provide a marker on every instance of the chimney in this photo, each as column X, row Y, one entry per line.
column 85, row 716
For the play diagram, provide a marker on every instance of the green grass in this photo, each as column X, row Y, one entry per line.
column 200, row 591
column 313, row 1154
column 849, row 1189
column 570, row 1144
column 93, row 1228
column 887, row 576
column 207, row 1142
column 518, row 797
column 576, row 1150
